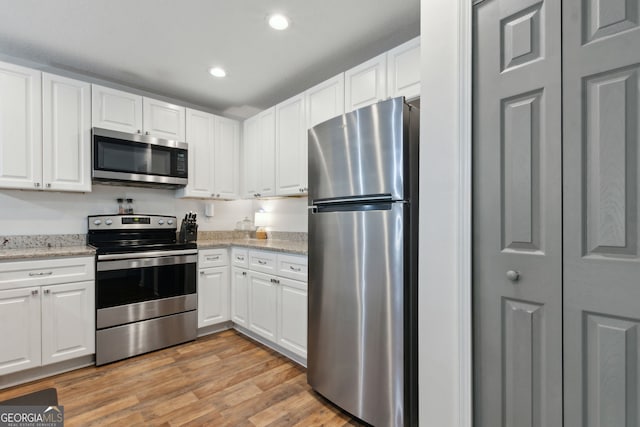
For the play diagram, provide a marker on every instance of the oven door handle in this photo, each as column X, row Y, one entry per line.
column 150, row 254
column 127, row 264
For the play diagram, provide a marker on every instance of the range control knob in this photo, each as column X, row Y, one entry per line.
column 108, row 221
column 161, row 221
column 170, row 222
column 97, row 222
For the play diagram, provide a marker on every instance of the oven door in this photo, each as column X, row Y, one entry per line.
column 140, row 286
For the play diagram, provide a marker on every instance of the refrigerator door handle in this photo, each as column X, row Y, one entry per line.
column 358, row 199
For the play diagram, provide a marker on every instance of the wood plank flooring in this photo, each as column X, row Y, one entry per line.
column 224, row 379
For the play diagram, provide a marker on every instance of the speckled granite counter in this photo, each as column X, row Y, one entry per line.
column 44, row 252
column 289, row 246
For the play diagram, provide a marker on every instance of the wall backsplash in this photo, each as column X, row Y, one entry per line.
column 43, row 212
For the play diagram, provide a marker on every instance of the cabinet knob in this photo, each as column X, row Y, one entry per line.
column 47, row 291
column 244, row 273
column 139, row 131
column 146, row 133
column 34, row 292
column 513, row 275
column 36, row 184
column 48, row 185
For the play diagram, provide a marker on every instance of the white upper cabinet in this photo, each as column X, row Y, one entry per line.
column 66, row 134
column 21, row 127
column 226, row 158
column 366, row 83
column 259, row 154
column 200, row 132
column 403, row 70
column 125, row 112
column 213, row 156
column 324, row 101
column 291, row 154
column 116, row 110
column 163, row 120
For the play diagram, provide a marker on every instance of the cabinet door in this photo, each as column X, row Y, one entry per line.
column 213, row 296
column 68, row 321
column 267, row 160
column 240, row 297
column 66, row 133
column 225, row 158
column 199, row 136
column 163, row 120
column 366, row 84
column 19, row 329
column 292, row 316
column 251, row 156
column 290, row 146
column 21, row 127
column 116, row 110
column 324, row 101
column 403, row 70
column 262, row 305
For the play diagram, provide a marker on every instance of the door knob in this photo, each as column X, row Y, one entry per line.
column 513, row 275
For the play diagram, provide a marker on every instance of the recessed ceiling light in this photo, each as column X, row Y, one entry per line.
column 278, row 21
column 217, row 72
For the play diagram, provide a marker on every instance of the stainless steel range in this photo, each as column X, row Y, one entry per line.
column 145, row 285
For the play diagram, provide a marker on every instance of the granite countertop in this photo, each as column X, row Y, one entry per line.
column 289, row 246
column 46, row 252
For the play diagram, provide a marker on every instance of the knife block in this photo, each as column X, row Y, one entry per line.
column 188, row 232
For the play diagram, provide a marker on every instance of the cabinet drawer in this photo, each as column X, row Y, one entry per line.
column 292, row 266
column 212, row 258
column 240, row 257
column 18, row 274
column 262, row 261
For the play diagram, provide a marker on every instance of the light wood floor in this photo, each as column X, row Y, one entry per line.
column 220, row 380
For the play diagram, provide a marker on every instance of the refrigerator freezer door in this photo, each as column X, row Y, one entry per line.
column 361, row 153
column 356, row 290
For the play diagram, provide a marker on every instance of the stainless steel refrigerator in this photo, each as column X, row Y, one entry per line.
column 363, row 206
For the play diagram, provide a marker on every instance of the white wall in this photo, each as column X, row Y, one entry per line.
column 444, row 281
column 43, row 212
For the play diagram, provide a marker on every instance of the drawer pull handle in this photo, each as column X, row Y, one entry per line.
column 240, row 258
column 298, row 269
column 213, row 258
column 262, row 262
column 42, row 273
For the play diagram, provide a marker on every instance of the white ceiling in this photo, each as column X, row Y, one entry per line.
column 167, row 46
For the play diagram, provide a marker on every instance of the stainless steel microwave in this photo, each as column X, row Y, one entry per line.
column 138, row 160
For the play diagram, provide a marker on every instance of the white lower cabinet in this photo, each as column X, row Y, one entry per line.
column 263, row 294
column 68, row 329
column 213, row 296
column 240, row 297
column 46, row 319
column 20, row 329
column 213, row 286
column 292, row 316
column 266, row 301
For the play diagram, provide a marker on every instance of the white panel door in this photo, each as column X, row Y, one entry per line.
column 163, row 120
column 19, row 329
column 240, row 297
column 199, row 137
column 292, row 316
column 213, row 296
column 66, row 133
column 68, row 321
column 116, row 110
column 267, row 160
column 291, row 156
column 20, row 127
column 366, row 83
column 251, row 156
column 324, row 101
column 263, row 305
column 403, row 70
column 226, row 158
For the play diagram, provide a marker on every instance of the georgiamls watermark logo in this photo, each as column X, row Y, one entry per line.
column 31, row 416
